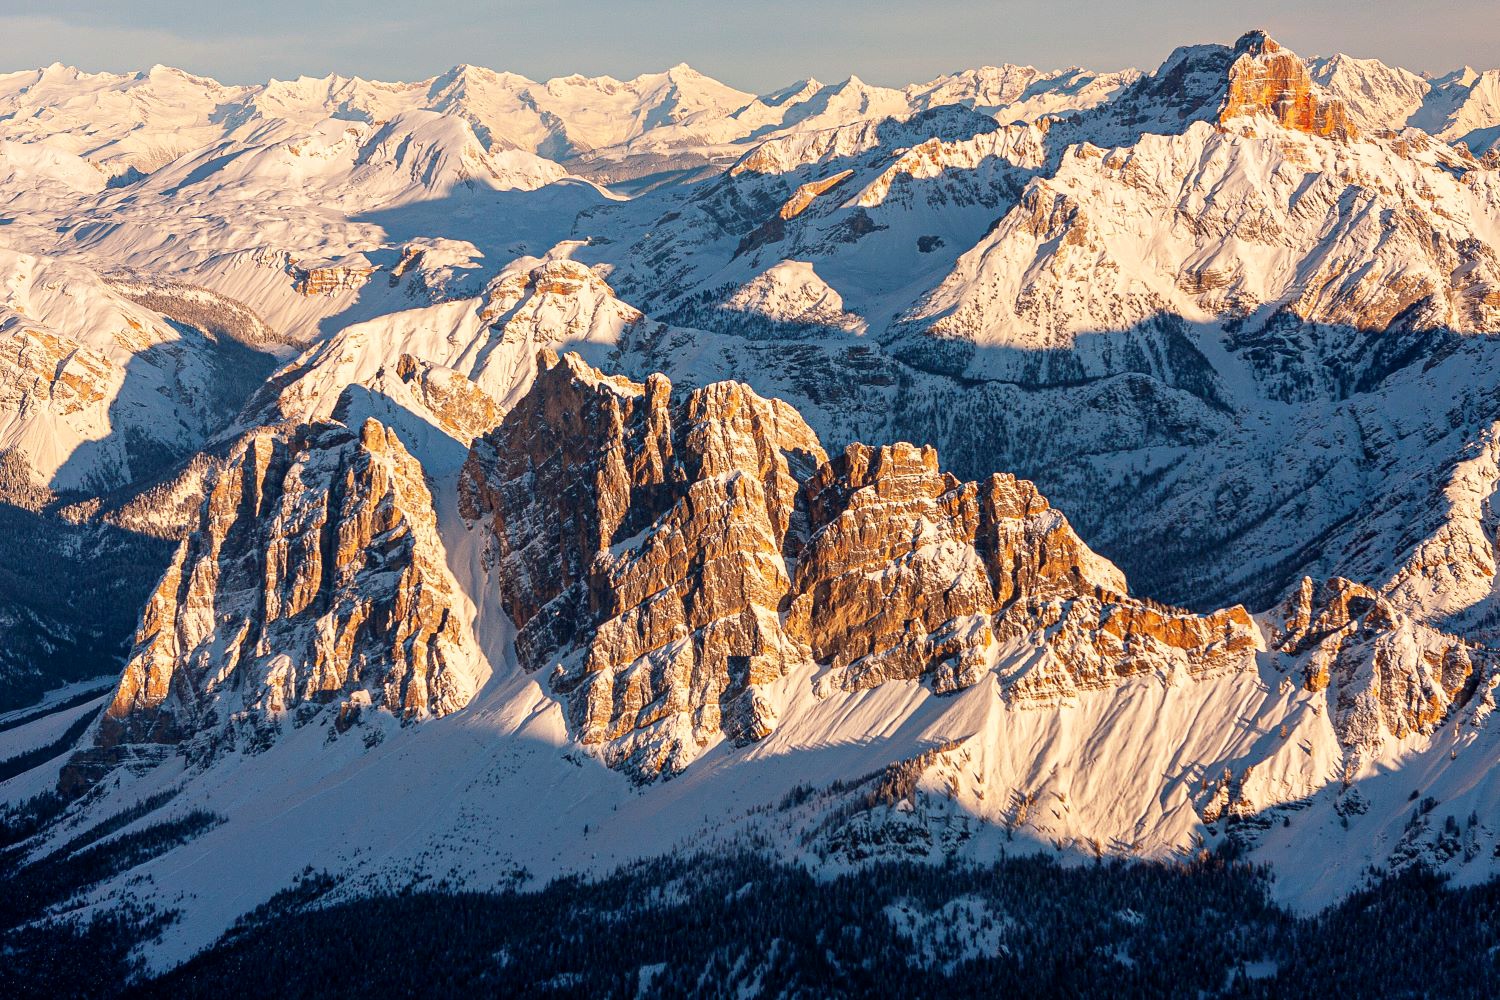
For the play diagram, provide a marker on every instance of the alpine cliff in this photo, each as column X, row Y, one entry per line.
column 464, row 484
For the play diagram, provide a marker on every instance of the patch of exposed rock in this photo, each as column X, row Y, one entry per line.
column 1266, row 79
column 1391, row 676
column 641, row 554
column 911, row 573
column 462, row 408
column 44, row 370
column 667, row 559
column 329, row 278
column 315, row 576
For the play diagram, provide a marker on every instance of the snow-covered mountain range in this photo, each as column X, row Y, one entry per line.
column 517, row 479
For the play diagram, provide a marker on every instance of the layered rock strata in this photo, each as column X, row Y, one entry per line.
column 641, row 549
column 1391, row 677
column 1270, row 80
column 666, row 560
column 316, row 576
column 319, row 278
column 911, row 573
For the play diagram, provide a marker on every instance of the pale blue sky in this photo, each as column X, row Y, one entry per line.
column 753, row 44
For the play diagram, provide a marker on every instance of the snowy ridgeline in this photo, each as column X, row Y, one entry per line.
column 1232, row 317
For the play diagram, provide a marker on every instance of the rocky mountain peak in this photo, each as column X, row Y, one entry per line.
column 558, row 277
column 1266, row 79
column 1392, row 677
column 1256, row 43
column 316, row 576
column 667, row 559
column 639, row 544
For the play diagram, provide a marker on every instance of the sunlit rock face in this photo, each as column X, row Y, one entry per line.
column 911, row 573
column 42, row 369
column 316, row 576
column 321, row 278
column 1392, row 677
column 1266, row 79
column 640, row 552
column 667, row 559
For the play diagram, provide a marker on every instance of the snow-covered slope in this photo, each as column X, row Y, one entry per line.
column 1075, row 718
column 140, row 121
column 1462, row 106
column 526, row 525
column 127, row 123
column 98, row 390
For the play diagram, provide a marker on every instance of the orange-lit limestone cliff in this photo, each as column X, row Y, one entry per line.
column 316, row 577
column 1266, row 79
column 666, row 558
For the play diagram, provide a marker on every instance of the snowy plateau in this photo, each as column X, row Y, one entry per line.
column 628, row 504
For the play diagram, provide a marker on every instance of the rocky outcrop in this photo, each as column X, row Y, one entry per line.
column 640, row 546
column 804, row 195
column 1391, row 676
column 665, row 560
column 462, row 408
column 556, row 304
column 1266, row 79
column 555, row 282
column 41, row 370
column 332, row 277
column 910, row 573
column 316, row 577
